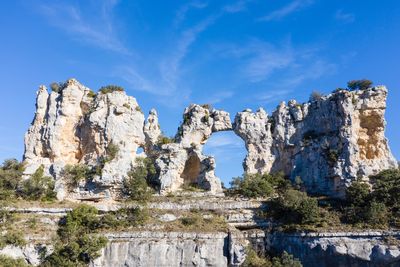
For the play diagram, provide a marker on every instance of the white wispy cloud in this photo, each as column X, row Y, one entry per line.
column 285, row 11
column 183, row 10
column 218, row 97
column 218, row 141
column 267, row 59
column 260, row 59
column 341, row 16
column 235, row 7
column 167, row 81
column 94, row 29
column 274, row 96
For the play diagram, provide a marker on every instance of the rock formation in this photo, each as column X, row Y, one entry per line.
column 183, row 163
column 327, row 142
column 104, row 131
column 75, row 126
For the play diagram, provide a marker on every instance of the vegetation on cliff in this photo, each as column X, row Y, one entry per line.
column 289, row 206
column 79, row 240
column 36, row 187
column 254, row 259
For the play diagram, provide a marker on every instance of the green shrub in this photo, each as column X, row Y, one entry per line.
column 138, row 109
column 111, row 88
column 377, row 215
column 12, row 237
column 91, row 94
column 111, row 151
column 136, row 185
column 187, row 221
column 254, row 259
column 77, row 244
column 339, row 89
column 38, row 187
column 332, row 156
column 359, row 84
column 56, row 87
column 207, row 106
column 6, row 261
column 74, row 174
column 386, row 187
column 295, row 207
column 124, row 217
column 357, row 194
column 257, row 185
column 10, row 176
column 163, row 140
column 316, row 96
column 286, row 260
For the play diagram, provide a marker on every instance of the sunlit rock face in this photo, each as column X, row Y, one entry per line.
column 183, row 163
column 74, row 126
column 328, row 142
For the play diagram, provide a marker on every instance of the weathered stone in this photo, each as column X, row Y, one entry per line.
column 338, row 249
column 183, row 163
column 328, row 142
column 71, row 126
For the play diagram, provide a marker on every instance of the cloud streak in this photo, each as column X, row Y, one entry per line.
column 287, row 10
column 98, row 31
column 183, row 10
column 341, row 16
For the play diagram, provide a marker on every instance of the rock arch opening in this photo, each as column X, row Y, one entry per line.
column 191, row 171
column 229, row 151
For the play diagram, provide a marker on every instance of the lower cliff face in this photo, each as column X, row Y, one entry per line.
column 164, row 250
column 340, row 249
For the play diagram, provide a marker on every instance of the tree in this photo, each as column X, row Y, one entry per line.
column 77, row 246
column 359, row 84
column 357, row 193
column 74, row 174
column 136, row 185
column 257, row 185
column 38, row 187
column 386, row 187
column 10, row 176
column 295, row 207
column 315, row 96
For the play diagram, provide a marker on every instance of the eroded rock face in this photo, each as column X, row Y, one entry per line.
column 183, row 163
column 74, row 126
column 328, row 142
column 105, row 130
column 338, row 249
column 164, row 249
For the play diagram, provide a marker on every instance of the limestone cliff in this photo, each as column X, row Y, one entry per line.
column 74, row 126
column 327, row 142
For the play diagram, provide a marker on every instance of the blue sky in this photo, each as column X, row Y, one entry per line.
column 168, row 54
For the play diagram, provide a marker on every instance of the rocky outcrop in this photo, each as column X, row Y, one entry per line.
column 164, row 249
column 75, row 126
column 339, row 249
column 104, row 131
column 327, row 142
column 182, row 163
